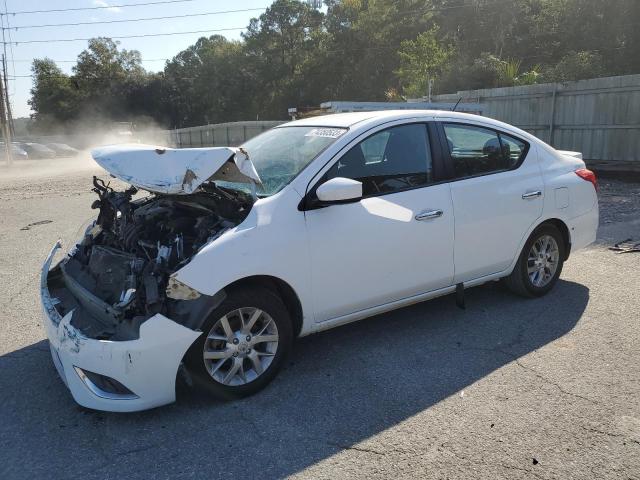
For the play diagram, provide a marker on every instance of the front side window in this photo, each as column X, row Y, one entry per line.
column 391, row 160
column 478, row 151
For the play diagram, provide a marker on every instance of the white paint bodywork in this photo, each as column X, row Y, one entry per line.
column 341, row 275
column 146, row 366
column 338, row 189
column 174, row 171
column 569, row 153
column 371, row 252
column 489, row 211
column 349, row 261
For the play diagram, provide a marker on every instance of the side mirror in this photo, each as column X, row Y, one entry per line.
column 339, row 189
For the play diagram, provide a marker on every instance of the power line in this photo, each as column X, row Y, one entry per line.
column 76, row 60
column 128, row 36
column 243, row 10
column 101, row 7
column 11, row 42
column 161, row 2
column 419, row 11
column 271, row 7
column 144, row 19
column 422, row 11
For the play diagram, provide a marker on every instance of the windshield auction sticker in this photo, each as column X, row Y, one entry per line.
column 325, row 132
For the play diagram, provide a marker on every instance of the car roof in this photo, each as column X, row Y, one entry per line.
column 335, row 119
column 351, row 118
column 347, row 120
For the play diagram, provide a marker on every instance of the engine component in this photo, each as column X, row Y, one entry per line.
column 126, row 258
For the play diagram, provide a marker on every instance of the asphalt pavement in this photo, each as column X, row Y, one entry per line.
column 508, row 388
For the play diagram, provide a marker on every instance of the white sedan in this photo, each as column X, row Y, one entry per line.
column 229, row 254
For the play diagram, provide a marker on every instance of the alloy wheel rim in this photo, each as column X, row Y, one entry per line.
column 542, row 262
column 240, row 346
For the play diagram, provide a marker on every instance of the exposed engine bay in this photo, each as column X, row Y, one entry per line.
column 117, row 275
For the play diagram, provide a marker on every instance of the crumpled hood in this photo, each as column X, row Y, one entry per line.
column 178, row 171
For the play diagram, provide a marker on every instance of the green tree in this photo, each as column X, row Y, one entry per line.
column 209, row 82
column 576, row 66
column 107, row 77
column 420, row 60
column 54, row 96
column 280, row 46
column 108, row 84
column 360, row 53
column 102, row 60
column 294, row 55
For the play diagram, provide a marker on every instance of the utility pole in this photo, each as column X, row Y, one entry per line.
column 5, row 127
column 7, row 100
column 5, row 110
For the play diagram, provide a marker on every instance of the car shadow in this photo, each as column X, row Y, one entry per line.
column 339, row 388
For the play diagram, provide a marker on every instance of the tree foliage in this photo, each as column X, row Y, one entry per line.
column 576, row 66
column 207, row 83
column 294, row 55
column 280, row 46
column 421, row 59
column 54, row 96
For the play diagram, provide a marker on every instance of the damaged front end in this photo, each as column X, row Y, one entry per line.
column 120, row 273
column 118, row 320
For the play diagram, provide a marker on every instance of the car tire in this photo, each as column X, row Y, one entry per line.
column 212, row 358
column 523, row 280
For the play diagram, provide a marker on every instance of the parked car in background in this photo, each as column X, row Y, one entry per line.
column 62, row 149
column 17, row 153
column 235, row 252
column 36, row 150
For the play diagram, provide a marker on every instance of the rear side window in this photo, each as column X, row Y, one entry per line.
column 479, row 151
column 390, row 160
column 513, row 149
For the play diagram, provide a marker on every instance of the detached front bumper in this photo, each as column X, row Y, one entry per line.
column 144, row 369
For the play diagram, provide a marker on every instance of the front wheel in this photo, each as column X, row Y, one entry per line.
column 540, row 263
column 243, row 344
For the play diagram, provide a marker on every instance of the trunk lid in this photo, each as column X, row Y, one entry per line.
column 568, row 153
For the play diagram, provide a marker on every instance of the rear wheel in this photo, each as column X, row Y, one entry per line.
column 540, row 263
column 244, row 343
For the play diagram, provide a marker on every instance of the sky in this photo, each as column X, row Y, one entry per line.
column 152, row 49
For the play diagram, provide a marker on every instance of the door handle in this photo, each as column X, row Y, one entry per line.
column 429, row 215
column 528, row 195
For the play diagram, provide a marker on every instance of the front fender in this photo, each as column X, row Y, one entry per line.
column 270, row 241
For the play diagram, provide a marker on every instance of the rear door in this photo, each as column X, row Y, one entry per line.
column 497, row 192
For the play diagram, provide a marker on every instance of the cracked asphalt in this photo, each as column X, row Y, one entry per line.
column 508, row 388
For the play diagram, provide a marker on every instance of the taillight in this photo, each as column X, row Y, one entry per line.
column 589, row 176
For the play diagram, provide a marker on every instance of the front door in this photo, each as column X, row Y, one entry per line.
column 397, row 241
